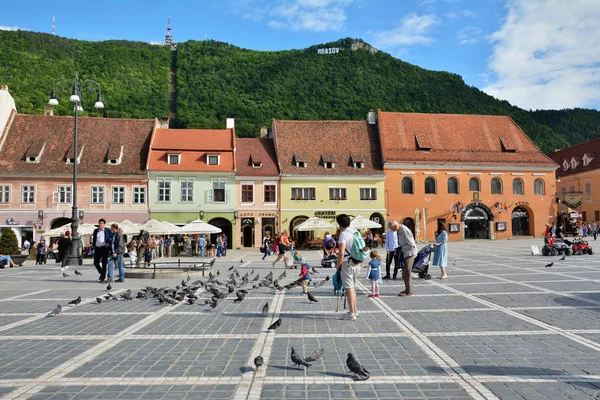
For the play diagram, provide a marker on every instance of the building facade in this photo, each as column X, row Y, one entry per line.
column 480, row 174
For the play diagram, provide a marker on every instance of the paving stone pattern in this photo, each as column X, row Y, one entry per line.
column 502, row 326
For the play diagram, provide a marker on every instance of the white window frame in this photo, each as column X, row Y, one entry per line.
column 247, row 183
column 122, row 195
column 92, row 194
column 186, row 181
column 301, row 164
column 337, row 192
column 265, row 184
column 5, row 194
column 141, row 191
column 31, row 193
column 329, row 165
column 565, row 165
column 166, row 190
column 65, row 196
column 371, row 190
column 358, row 165
column 224, row 189
column 208, row 156
column 303, row 189
column 174, row 155
column 543, row 187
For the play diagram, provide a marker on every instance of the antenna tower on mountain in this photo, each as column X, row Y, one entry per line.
column 53, row 25
column 168, row 36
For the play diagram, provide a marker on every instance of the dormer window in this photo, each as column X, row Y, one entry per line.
column 573, row 163
column 328, row 160
column 34, row 153
column 359, row 165
column 70, row 158
column 213, row 159
column 423, row 141
column 301, row 164
column 174, row 158
column 114, row 154
column 507, row 145
column 301, row 160
column 565, row 165
column 357, row 161
column 255, row 162
column 329, row 165
column 587, row 159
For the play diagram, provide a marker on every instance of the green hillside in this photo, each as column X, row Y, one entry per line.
column 211, row 81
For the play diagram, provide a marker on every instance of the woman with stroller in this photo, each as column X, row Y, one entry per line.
column 440, row 250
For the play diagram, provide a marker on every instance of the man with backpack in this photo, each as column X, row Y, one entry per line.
column 352, row 252
column 406, row 244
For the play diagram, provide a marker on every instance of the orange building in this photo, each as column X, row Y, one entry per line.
column 479, row 173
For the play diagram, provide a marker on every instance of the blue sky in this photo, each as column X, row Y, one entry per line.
column 537, row 54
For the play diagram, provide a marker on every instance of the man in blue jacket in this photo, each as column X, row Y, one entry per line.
column 101, row 240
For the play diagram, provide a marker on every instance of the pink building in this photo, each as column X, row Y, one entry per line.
column 36, row 167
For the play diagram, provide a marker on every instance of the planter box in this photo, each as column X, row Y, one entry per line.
column 19, row 259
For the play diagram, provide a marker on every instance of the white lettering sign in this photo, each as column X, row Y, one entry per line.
column 330, row 50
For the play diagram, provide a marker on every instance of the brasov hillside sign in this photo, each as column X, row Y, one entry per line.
column 329, row 50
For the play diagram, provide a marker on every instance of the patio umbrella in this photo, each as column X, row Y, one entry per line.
column 417, row 228
column 129, row 228
column 174, row 229
column 360, row 222
column 199, row 226
column 156, row 228
column 314, row 224
column 83, row 230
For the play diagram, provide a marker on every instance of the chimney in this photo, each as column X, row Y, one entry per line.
column 4, row 87
column 371, row 117
column 264, row 132
column 48, row 111
column 230, row 123
column 163, row 122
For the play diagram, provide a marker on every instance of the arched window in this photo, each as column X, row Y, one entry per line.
column 452, row 185
column 430, row 186
column 496, row 186
column 407, row 185
column 538, row 186
column 518, row 186
column 474, row 185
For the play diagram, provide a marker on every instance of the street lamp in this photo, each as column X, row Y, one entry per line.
column 74, row 258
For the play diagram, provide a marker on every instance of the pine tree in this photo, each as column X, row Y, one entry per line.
column 8, row 242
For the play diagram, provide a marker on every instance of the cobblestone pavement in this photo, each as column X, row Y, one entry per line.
column 503, row 326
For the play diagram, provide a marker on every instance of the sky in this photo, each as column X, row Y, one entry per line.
column 536, row 54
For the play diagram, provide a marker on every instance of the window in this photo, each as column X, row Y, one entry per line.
column 596, row 215
column 213, row 159
column 301, row 164
column 118, row 195
column 270, row 194
column 563, row 191
column 565, row 165
column 256, row 164
column 474, row 185
column 164, row 190
column 430, row 185
column 358, row 165
column 496, row 186
column 328, row 165
column 139, row 195
column 407, row 185
column 584, row 216
column 187, row 190
column 588, row 190
column 538, row 186
column 518, row 186
column 247, row 193
column 64, row 194
column 97, row 194
column 337, row 194
column 218, row 190
column 299, row 193
column 4, row 194
column 174, row 158
column 28, row 194
column 452, row 185
column 368, row 193
column 572, row 189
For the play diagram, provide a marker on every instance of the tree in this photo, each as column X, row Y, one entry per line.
column 9, row 244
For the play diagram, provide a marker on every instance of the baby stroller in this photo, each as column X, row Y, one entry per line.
column 329, row 261
column 298, row 260
column 421, row 263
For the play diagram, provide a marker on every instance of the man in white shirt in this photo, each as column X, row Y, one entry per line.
column 347, row 268
column 391, row 244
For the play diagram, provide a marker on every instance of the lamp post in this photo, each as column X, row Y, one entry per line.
column 73, row 258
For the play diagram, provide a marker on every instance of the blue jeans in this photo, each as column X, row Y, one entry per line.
column 6, row 259
column 267, row 253
column 111, row 267
column 220, row 251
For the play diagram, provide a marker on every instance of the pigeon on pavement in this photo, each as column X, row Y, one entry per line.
column 240, row 297
column 56, row 311
column 549, row 265
column 298, row 361
column 76, row 301
column 258, row 362
column 78, row 273
column 562, row 258
column 316, row 355
column 355, row 366
column 265, row 309
column 99, row 300
column 312, row 298
column 275, row 325
column 109, row 287
column 65, row 275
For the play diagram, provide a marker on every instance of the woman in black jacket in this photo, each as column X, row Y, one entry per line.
column 64, row 245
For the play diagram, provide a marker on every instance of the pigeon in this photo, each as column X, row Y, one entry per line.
column 275, row 325
column 78, row 273
column 218, row 272
column 355, row 366
column 314, row 270
column 549, row 265
column 126, row 295
column 454, row 263
column 189, row 278
column 76, row 301
column 258, row 362
column 191, row 301
column 284, row 274
column 560, row 259
column 256, row 278
column 241, row 261
column 322, row 283
column 316, row 355
column 109, row 287
column 99, row 300
column 231, row 269
column 237, row 273
column 240, row 297
column 65, row 275
column 312, row 298
column 298, row 361
column 265, row 309
column 327, row 278
column 56, row 311
column 252, row 272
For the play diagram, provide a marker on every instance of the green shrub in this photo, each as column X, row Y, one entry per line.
column 9, row 244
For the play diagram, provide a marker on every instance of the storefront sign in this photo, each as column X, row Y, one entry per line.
column 325, row 214
column 254, row 214
column 519, row 214
column 574, row 214
column 10, row 221
column 501, row 226
column 476, row 213
column 454, row 228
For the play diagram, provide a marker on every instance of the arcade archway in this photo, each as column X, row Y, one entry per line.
column 225, row 226
column 299, row 237
column 520, row 222
column 476, row 218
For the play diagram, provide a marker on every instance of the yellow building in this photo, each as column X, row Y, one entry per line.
column 328, row 168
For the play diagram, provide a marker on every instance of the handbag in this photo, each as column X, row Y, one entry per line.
column 262, row 249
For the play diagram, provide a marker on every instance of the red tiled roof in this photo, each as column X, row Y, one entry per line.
column 194, row 145
column 310, row 141
column 456, row 139
column 28, row 133
column 591, row 148
column 256, row 150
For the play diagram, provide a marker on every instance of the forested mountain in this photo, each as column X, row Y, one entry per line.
column 214, row 80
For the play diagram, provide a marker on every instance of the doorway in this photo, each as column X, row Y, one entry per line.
column 520, row 222
column 225, row 226
column 248, row 236
column 410, row 224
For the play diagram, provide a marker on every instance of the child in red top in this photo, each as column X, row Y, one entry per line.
column 305, row 276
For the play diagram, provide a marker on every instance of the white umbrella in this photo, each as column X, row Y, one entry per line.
column 129, row 227
column 199, row 226
column 173, row 229
column 314, row 224
column 156, row 228
column 360, row 222
column 82, row 230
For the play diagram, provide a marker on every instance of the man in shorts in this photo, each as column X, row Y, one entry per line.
column 348, row 269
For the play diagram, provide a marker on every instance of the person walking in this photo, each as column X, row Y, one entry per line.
column 408, row 247
column 225, row 243
column 41, row 251
column 282, row 246
column 64, row 245
column 265, row 246
column 101, row 239
column 348, row 269
column 391, row 244
column 440, row 251
column 219, row 246
column 116, row 255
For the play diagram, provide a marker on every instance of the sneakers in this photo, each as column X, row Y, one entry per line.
column 372, row 295
column 119, row 281
column 376, row 294
column 349, row 317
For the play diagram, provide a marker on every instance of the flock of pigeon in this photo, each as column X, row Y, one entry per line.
column 219, row 290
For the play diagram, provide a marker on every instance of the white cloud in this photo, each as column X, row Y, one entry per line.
column 469, row 35
column 546, row 55
column 460, row 14
column 12, row 28
column 413, row 29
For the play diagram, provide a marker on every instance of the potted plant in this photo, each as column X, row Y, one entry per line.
column 9, row 245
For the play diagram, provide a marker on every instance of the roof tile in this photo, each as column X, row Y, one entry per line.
column 256, row 150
